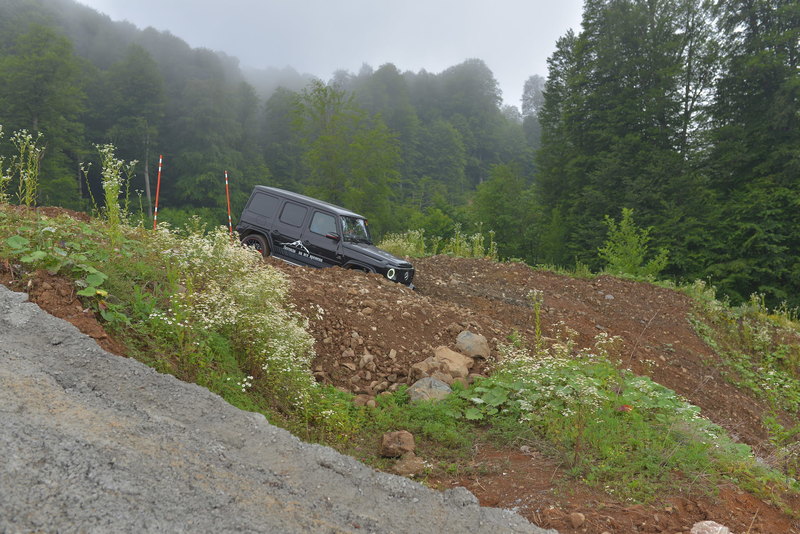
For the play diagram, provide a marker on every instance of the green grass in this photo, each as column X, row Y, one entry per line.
column 758, row 351
column 615, row 430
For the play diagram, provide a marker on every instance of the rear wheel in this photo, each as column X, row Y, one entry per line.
column 258, row 242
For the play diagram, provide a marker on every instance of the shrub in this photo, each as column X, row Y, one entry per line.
column 408, row 244
column 413, row 243
column 626, row 249
column 4, row 174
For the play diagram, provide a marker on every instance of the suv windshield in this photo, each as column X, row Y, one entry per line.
column 355, row 230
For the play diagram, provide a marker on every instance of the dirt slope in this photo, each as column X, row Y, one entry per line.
column 357, row 312
column 352, row 313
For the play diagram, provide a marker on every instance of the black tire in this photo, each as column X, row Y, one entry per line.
column 258, row 242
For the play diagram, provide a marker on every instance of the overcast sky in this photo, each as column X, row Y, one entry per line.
column 513, row 37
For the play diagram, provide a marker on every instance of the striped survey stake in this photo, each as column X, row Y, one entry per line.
column 158, row 189
column 228, row 196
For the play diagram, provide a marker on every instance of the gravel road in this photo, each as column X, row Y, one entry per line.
column 93, row 442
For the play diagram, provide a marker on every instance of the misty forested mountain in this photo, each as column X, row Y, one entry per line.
column 688, row 113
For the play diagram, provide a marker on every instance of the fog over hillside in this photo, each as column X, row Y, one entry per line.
column 513, row 37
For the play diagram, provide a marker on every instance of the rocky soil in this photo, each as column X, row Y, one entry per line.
column 353, row 315
column 370, row 334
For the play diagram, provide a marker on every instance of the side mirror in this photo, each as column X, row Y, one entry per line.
column 333, row 236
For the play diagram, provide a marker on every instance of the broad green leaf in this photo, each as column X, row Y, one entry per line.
column 473, row 414
column 17, row 242
column 88, row 292
column 96, row 278
column 496, row 396
column 36, row 255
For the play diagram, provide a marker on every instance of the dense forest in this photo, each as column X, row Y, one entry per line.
column 684, row 114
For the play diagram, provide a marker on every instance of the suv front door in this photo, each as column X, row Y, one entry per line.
column 323, row 237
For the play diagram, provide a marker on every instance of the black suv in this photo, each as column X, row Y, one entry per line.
column 306, row 231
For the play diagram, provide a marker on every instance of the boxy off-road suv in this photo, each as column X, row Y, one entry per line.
column 305, row 231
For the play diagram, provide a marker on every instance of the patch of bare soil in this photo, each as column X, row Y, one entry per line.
column 353, row 313
column 56, row 295
column 50, row 211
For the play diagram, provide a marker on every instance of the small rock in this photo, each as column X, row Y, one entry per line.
column 709, row 527
column 473, row 345
column 365, row 360
column 428, row 389
column 409, row 465
column 349, row 365
column 609, row 297
column 453, row 363
column 396, row 444
column 424, row 368
column 577, row 519
column 454, row 329
column 361, row 400
column 444, row 377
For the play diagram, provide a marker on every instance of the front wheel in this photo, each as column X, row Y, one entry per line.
column 258, row 242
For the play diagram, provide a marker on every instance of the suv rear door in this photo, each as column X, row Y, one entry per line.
column 287, row 231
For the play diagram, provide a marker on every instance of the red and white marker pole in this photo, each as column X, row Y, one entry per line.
column 228, row 196
column 158, row 189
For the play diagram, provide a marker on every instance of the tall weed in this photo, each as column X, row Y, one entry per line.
column 5, row 177
column 25, row 166
column 116, row 175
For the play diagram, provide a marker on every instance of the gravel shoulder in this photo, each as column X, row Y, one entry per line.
column 93, row 442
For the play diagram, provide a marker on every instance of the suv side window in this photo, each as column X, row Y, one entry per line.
column 323, row 224
column 264, row 205
column 293, row 214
